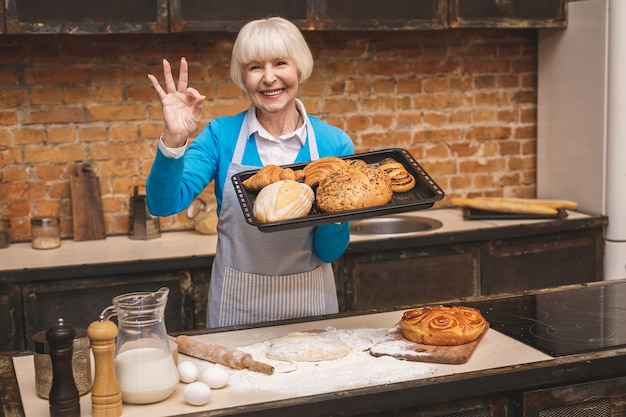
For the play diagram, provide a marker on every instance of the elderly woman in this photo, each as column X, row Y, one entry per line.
column 256, row 276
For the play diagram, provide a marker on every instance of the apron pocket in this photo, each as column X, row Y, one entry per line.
column 252, row 298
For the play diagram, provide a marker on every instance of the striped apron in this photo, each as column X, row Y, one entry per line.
column 258, row 276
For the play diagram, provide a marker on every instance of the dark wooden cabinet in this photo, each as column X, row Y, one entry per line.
column 70, row 16
column 508, row 13
column 213, row 15
column 80, row 301
column 30, row 307
column 378, row 15
column 604, row 398
column 514, row 265
column 417, row 272
column 388, row 279
column 161, row 16
column 11, row 315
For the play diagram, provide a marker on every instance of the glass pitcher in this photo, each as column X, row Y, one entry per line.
column 144, row 365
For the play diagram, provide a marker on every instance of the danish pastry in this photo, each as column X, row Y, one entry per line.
column 401, row 180
column 443, row 325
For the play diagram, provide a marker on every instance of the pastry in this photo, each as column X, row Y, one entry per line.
column 315, row 171
column 401, row 180
column 270, row 174
column 282, row 200
column 307, row 347
column 353, row 187
column 442, row 325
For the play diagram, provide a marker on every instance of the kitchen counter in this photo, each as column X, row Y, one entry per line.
column 191, row 249
column 362, row 385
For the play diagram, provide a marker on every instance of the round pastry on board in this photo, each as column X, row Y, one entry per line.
column 443, row 325
column 311, row 346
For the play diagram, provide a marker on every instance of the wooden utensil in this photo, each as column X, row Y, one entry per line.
column 232, row 358
column 87, row 213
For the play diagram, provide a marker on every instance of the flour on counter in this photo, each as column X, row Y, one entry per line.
column 357, row 369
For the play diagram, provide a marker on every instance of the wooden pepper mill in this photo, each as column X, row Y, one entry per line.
column 106, row 395
column 64, row 398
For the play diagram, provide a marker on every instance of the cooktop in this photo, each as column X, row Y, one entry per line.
column 566, row 321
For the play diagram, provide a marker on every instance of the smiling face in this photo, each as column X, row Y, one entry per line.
column 272, row 85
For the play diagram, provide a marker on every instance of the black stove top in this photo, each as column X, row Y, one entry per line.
column 563, row 322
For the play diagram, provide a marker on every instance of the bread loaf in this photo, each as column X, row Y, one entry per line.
column 442, row 325
column 354, row 187
column 282, row 200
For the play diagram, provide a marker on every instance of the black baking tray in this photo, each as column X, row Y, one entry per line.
column 423, row 196
column 476, row 214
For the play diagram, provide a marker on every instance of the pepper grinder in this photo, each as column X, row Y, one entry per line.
column 106, row 395
column 64, row 398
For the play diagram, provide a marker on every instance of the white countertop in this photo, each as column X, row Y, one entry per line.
column 173, row 245
column 302, row 379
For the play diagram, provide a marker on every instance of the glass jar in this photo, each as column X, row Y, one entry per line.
column 5, row 235
column 81, row 363
column 46, row 232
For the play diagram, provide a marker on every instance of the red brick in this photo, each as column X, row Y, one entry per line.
column 10, row 156
column 13, row 97
column 46, row 95
column 29, row 136
column 54, row 115
column 61, row 135
column 49, row 154
column 116, row 112
column 56, row 75
column 8, row 117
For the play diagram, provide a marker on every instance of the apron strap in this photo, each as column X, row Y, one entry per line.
column 244, row 134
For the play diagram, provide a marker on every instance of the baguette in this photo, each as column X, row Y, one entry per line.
column 504, row 205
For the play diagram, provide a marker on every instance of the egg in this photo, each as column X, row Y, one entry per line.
column 215, row 377
column 187, row 371
column 197, row 393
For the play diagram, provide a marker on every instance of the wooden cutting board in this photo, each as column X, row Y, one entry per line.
column 87, row 213
column 395, row 345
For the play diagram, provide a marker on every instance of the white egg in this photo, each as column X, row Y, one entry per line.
column 187, row 371
column 197, row 393
column 215, row 377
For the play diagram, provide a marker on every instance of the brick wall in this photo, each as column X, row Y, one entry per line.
column 463, row 102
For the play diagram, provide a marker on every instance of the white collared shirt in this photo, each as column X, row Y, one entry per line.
column 279, row 151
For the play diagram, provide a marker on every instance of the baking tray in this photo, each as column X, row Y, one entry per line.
column 476, row 214
column 423, row 196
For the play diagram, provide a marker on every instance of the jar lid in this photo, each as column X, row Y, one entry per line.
column 40, row 344
column 44, row 221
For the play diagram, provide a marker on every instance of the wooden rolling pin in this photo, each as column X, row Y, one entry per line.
column 514, row 205
column 232, row 358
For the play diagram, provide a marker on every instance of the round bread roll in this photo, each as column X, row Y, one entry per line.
column 282, row 200
column 443, row 326
column 353, row 187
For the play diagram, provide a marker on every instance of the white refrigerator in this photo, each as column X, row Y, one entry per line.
column 581, row 118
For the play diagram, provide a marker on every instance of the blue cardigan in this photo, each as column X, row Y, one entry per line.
column 174, row 183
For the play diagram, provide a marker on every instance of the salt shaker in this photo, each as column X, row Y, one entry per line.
column 64, row 398
column 106, row 395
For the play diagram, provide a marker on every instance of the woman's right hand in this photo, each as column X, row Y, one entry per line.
column 182, row 105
